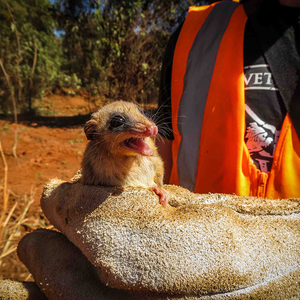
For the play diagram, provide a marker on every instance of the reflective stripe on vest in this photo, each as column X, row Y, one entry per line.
column 196, row 86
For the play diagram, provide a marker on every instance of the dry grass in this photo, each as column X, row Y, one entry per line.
column 18, row 217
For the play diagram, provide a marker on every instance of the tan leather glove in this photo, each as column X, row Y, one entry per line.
column 198, row 247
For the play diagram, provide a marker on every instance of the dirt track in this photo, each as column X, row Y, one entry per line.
column 47, row 147
column 43, row 153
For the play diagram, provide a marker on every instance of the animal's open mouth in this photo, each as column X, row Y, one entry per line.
column 137, row 145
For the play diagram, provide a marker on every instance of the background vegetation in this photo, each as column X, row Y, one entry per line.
column 110, row 48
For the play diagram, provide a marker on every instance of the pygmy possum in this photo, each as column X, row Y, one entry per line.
column 121, row 150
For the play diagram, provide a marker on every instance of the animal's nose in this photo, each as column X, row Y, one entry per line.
column 151, row 130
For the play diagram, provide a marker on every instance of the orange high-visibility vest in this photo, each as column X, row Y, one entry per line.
column 208, row 109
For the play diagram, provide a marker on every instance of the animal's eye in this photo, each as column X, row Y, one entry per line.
column 117, row 121
column 147, row 114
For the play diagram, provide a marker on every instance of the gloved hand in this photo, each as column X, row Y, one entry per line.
column 200, row 246
column 60, row 269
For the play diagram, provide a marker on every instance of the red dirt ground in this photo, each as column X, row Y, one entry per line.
column 43, row 153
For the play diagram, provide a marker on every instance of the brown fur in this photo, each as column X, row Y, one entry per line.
column 106, row 162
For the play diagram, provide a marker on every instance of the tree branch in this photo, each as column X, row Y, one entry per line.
column 20, row 58
column 35, row 58
column 12, row 93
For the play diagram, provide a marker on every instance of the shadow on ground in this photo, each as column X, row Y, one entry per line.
column 49, row 121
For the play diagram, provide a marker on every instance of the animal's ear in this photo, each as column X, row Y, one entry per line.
column 91, row 129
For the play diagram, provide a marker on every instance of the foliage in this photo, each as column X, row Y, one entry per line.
column 111, row 48
column 29, row 50
column 116, row 48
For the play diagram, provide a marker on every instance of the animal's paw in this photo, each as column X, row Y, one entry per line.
column 163, row 196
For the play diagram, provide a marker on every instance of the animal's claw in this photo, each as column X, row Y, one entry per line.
column 163, row 196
